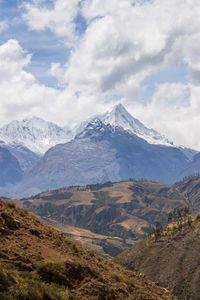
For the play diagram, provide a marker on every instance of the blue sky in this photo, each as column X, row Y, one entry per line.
column 44, row 46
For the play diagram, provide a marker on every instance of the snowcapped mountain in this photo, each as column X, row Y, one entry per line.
column 120, row 117
column 35, row 134
column 39, row 135
column 102, row 153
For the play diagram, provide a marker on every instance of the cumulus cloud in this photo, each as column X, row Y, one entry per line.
column 59, row 18
column 124, row 43
column 23, row 96
column 174, row 111
column 128, row 41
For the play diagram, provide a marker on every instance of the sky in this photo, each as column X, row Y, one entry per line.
column 66, row 60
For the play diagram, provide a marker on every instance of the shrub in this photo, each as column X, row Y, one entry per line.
column 6, row 279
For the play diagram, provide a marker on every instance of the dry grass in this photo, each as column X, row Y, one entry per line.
column 40, row 257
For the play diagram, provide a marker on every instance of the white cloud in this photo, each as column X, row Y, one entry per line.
column 59, row 19
column 3, row 26
column 12, row 60
column 125, row 42
column 174, row 111
column 23, row 96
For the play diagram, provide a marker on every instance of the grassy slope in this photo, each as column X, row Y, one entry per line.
column 173, row 261
column 37, row 262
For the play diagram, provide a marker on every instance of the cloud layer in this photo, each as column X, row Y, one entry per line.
column 119, row 56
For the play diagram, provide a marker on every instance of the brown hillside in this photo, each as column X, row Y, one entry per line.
column 125, row 210
column 38, row 263
column 173, row 260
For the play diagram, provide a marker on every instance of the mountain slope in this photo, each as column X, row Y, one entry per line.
column 172, row 261
column 102, row 153
column 10, row 171
column 35, row 134
column 122, row 212
column 36, row 262
column 193, row 167
column 189, row 187
column 26, row 158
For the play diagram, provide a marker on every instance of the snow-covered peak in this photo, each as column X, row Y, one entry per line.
column 120, row 117
column 36, row 134
column 94, row 129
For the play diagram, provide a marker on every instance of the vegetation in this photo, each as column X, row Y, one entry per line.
column 178, row 219
column 103, row 198
column 58, row 196
column 98, row 186
column 15, row 284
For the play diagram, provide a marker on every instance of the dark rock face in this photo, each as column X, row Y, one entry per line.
column 102, row 153
column 10, row 171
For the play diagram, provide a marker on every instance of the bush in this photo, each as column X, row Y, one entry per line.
column 6, row 279
column 28, row 286
column 41, row 291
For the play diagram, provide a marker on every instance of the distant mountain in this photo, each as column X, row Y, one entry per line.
column 193, row 168
column 15, row 160
column 39, row 135
column 104, row 153
column 25, row 157
column 111, row 147
column 118, row 116
column 35, row 134
column 10, row 171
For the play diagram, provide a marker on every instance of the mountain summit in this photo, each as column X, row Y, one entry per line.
column 36, row 134
column 120, row 117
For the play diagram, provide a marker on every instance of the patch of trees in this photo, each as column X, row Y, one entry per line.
column 103, row 198
column 177, row 219
column 98, row 186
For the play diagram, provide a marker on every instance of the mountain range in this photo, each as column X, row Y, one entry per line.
column 110, row 147
column 35, row 134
